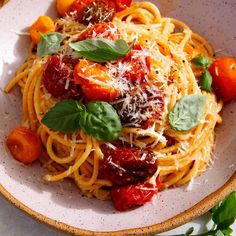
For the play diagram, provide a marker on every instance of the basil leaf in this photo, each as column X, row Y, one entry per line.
column 206, row 81
column 187, row 112
column 225, row 214
column 102, row 50
column 215, row 208
column 64, row 116
column 201, row 62
column 227, row 232
column 49, row 44
column 218, row 233
column 101, row 121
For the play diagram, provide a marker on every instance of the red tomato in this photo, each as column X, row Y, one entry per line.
column 126, row 165
column 90, row 11
column 94, row 81
column 223, row 71
column 145, row 101
column 122, row 4
column 100, row 30
column 24, row 145
column 58, row 77
column 136, row 64
column 130, row 196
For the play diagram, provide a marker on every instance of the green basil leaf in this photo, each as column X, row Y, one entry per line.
column 218, row 233
column 206, row 81
column 102, row 50
column 64, row 116
column 225, row 214
column 227, row 232
column 187, row 112
column 215, row 208
column 49, row 43
column 201, row 62
column 101, row 121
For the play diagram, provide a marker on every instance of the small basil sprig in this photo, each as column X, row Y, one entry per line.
column 64, row 116
column 206, row 81
column 187, row 112
column 101, row 49
column 49, row 43
column 205, row 78
column 223, row 215
column 203, row 62
column 99, row 120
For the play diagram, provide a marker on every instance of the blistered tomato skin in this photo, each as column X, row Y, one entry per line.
column 147, row 103
column 77, row 7
column 138, row 65
column 63, row 6
column 58, row 77
column 99, row 11
column 24, row 145
column 223, row 71
column 131, row 196
column 100, row 30
column 92, row 12
column 122, row 4
column 126, row 165
column 94, row 81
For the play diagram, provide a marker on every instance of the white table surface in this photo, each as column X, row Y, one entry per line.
column 14, row 222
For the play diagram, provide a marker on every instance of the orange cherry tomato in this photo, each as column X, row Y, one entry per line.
column 63, row 6
column 44, row 24
column 96, row 84
column 223, row 71
column 24, row 145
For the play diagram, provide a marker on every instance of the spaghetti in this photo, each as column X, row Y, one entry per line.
column 181, row 156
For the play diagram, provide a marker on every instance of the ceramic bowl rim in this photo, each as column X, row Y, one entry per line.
column 195, row 211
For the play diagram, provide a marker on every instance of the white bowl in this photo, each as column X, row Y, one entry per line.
column 61, row 204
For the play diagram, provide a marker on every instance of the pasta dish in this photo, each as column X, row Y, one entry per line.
column 119, row 99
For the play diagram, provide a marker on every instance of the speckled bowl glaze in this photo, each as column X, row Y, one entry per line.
column 61, row 204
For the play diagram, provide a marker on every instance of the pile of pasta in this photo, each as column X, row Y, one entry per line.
column 181, row 156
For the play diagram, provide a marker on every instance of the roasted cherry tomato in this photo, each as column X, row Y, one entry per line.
column 122, row 4
column 77, row 7
column 139, row 65
column 100, row 30
column 93, row 11
column 135, row 66
column 130, row 196
column 96, row 84
column 58, row 77
column 223, row 71
column 44, row 24
column 63, row 6
column 24, row 145
column 141, row 106
column 125, row 165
